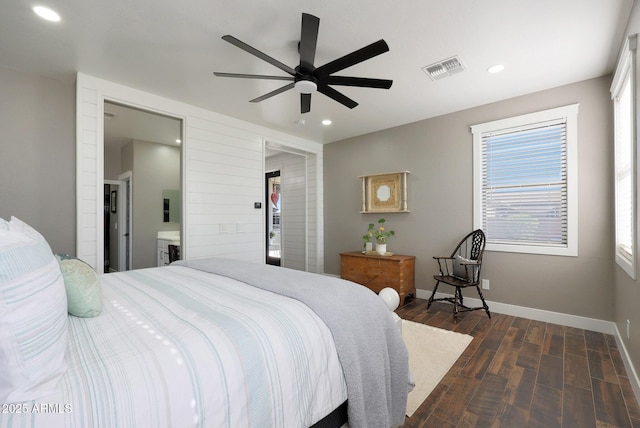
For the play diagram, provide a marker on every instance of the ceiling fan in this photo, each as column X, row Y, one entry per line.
column 306, row 78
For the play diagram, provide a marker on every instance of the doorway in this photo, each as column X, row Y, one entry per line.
column 117, row 223
column 293, row 205
column 273, row 213
column 146, row 145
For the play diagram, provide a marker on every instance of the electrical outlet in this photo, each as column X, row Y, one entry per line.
column 628, row 327
column 485, row 284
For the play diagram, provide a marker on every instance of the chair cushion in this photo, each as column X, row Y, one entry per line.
column 459, row 269
column 84, row 291
column 33, row 315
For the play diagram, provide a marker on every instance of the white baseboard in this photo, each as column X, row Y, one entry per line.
column 601, row 326
column 628, row 365
column 584, row 323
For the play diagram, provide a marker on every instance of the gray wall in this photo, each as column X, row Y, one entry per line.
column 438, row 152
column 627, row 290
column 112, row 161
column 37, row 155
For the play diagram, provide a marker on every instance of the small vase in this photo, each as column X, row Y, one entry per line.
column 381, row 249
column 368, row 246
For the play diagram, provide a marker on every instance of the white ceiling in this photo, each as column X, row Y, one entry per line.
column 171, row 48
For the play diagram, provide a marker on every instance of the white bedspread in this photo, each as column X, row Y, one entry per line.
column 374, row 358
column 180, row 347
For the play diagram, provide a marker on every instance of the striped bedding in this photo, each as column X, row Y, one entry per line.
column 178, row 347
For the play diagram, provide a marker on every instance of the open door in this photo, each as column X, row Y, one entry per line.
column 117, row 224
column 125, row 221
column 274, row 218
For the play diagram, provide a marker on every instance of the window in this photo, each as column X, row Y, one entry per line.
column 622, row 93
column 525, row 182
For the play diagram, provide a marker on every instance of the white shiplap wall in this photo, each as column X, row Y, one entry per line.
column 222, row 176
column 89, row 167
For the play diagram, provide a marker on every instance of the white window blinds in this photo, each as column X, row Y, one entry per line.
column 524, row 185
column 525, row 182
column 623, row 91
column 624, row 174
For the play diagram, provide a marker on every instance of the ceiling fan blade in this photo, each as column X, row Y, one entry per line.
column 252, row 76
column 363, row 54
column 308, row 41
column 272, row 93
column 337, row 96
column 253, row 51
column 305, row 103
column 358, row 81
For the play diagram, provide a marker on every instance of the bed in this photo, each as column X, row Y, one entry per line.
column 214, row 343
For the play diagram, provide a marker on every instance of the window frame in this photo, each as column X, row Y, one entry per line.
column 625, row 74
column 570, row 114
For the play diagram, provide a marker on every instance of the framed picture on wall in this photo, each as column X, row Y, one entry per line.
column 383, row 193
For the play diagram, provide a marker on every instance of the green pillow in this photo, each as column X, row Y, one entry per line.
column 84, row 292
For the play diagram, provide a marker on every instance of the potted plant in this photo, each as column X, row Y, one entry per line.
column 381, row 235
column 367, row 238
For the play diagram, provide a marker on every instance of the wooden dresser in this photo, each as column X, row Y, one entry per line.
column 377, row 272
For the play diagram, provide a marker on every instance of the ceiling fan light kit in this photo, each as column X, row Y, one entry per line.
column 306, row 78
column 305, row 86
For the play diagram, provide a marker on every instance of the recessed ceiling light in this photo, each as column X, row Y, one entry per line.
column 46, row 13
column 178, row 141
column 326, row 122
column 495, row 68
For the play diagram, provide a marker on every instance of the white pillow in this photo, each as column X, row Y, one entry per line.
column 33, row 315
column 462, row 271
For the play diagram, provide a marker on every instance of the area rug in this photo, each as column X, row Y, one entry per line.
column 432, row 352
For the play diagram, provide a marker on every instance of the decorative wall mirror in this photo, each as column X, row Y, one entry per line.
column 384, row 193
column 170, row 206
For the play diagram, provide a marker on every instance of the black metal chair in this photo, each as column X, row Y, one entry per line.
column 462, row 270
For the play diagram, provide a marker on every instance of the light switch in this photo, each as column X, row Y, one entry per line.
column 227, row 227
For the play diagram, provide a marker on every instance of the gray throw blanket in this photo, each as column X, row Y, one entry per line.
column 370, row 348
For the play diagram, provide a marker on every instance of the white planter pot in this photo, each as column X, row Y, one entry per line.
column 368, row 246
column 381, row 249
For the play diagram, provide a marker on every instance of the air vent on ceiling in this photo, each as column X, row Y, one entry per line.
column 109, row 115
column 447, row 67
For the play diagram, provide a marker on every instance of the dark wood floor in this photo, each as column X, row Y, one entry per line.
column 523, row 373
